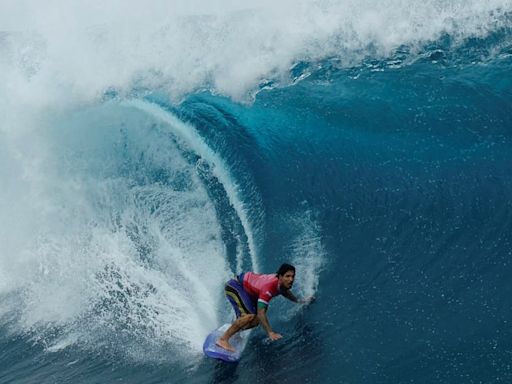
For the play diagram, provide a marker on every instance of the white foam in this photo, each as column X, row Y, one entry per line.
column 81, row 211
column 62, row 51
column 308, row 256
column 309, row 253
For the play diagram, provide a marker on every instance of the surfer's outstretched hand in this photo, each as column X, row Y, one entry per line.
column 274, row 336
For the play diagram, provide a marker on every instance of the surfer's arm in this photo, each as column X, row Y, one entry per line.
column 262, row 316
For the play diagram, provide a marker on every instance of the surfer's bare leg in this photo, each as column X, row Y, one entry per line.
column 243, row 322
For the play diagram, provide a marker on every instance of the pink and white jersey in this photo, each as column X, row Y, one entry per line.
column 262, row 287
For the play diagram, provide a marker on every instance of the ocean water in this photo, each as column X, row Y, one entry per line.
column 150, row 152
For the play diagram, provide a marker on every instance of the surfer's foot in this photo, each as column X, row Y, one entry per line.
column 224, row 344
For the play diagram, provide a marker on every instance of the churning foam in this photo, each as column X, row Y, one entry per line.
column 55, row 51
column 110, row 233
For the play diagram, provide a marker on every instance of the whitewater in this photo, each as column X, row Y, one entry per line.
column 149, row 152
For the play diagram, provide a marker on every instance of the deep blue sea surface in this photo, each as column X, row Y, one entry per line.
column 380, row 166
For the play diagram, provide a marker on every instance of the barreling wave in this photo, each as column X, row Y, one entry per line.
column 127, row 233
column 146, row 158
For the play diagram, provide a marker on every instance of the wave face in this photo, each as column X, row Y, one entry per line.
column 149, row 153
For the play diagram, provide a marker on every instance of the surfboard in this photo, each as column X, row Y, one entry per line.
column 238, row 341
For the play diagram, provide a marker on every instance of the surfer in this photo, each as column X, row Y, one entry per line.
column 250, row 293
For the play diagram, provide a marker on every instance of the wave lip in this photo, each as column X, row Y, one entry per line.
column 230, row 50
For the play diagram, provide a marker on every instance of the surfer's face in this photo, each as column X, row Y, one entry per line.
column 286, row 280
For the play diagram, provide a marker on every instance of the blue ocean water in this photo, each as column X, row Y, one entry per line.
column 384, row 175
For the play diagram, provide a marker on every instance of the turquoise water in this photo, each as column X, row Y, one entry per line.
column 375, row 157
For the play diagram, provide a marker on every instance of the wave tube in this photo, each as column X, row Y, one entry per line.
column 117, row 243
column 219, row 169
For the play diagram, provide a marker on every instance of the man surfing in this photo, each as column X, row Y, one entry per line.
column 250, row 293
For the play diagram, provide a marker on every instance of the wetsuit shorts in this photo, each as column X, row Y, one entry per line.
column 242, row 303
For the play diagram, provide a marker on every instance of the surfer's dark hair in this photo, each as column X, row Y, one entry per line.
column 285, row 268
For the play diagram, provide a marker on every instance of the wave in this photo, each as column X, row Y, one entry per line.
column 145, row 160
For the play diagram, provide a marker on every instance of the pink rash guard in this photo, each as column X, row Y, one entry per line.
column 261, row 287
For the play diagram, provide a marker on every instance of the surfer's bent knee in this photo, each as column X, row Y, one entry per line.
column 254, row 322
column 250, row 317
